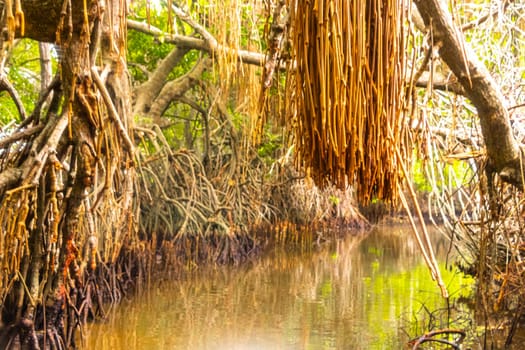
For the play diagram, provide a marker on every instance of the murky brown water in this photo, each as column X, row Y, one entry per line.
column 359, row 293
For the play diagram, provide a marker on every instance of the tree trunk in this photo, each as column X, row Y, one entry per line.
column 70, row 185
column 502, row 148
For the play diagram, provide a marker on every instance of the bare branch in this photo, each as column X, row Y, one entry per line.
column 442, row 83
column 5, row 85
column 211, row 47
column 32, row 166
column 179, row 40
column 481, row 20
column 177, row 88
column 20, row 135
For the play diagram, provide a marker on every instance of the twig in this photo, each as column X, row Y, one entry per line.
column 484, row 18
column 20, row 135
column 424, row 64
column 442, row 86
column 5, row 85
column 516, row 107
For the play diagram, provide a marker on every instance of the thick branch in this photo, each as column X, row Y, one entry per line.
column 210, row 46
column 178, row 87
column 20, row 135
column 146, row 92
column 502, row 149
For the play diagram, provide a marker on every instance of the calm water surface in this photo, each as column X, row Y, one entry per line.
column 358, row 293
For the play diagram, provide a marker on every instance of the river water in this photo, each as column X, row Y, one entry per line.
column 370, row 291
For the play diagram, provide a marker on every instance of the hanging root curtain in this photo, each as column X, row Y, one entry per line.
column 345, row 90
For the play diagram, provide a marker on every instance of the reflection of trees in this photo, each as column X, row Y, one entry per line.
column 399, row 249
column 342, row 294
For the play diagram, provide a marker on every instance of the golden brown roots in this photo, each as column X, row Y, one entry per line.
column 345, row 85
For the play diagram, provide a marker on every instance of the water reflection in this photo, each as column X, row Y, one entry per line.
column 351, row 295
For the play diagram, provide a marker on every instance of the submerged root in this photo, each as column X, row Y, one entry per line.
column 215, row 249
column 27, row 334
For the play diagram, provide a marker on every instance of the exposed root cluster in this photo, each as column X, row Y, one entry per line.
column 211, row 211
column 488, row 233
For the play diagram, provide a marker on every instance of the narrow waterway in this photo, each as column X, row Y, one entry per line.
column 372, row 291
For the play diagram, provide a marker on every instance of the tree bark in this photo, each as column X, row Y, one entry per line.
column 149, row 90
column 502, row 148
column 78, row 153
column 205, row 45
column 42, row 18
column 177, row 88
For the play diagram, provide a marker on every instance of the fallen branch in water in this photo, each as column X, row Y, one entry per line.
column 430, row 337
